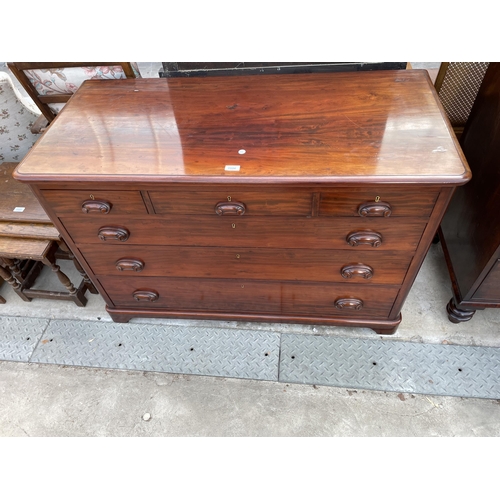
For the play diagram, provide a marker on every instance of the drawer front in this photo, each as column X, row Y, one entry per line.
column 194, row 294
column 375, row 202
column 336, row 300
column 95, row 203
column 232, row 202
column 378, row 234
column 250, row 296
column 264, row 264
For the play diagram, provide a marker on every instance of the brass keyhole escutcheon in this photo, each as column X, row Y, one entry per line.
column 242, row 286
column 377, row 198
column 92, row 197
column 233, row 225
column 237, row 255
column 229, row 198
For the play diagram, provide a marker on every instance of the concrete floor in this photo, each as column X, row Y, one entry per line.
column 50, row 400
column 43, row 400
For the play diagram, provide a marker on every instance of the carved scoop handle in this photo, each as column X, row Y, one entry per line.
column 129, row 265
column 113, row 233
column 230, row 208
column 370, row 238
column 96, row 206
column 375, row 209
column 146, row 295
column 355, row 304
column 353, row 270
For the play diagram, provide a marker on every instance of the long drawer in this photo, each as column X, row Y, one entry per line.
column 379, row 234
column 343, row 266
column 250, row 296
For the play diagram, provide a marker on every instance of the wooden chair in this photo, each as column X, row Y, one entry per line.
column 17, row 117
column 457, row 84
column 51, row 84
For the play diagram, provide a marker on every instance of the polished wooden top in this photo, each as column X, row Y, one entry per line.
column 381, row 126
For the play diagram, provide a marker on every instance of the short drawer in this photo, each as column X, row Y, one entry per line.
column 230, row 202
column 338, row 300
column 378, row 202
column 194, row 294
column 95, row 203
column 377, row 234
column 344, row 266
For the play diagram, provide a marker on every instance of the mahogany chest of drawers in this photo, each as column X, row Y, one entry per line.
column 294, row 198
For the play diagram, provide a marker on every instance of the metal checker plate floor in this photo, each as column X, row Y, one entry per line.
column 19, row 337
column 388, row 365
column 373, row 364
column 174, row 349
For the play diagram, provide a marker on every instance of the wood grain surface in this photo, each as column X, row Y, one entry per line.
column 70, row 202
column 403, row 202
column 266, row 297
column 298, row 198
column 251, row 263
column 380, row 126
column 29, row 230
column 262, row 202
column 265, row 232
column 14, row 195
column 20, row 248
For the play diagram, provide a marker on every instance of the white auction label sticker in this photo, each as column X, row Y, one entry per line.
column 19, row 209
column 232, row 168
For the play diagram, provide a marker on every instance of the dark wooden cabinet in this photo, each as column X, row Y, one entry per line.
column 295, row 198
column 470, row 230
column 189, row 69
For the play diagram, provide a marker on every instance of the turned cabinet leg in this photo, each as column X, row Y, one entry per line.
column 457, row 315
column 12, row 281
column 63, row 278
column 77, row 294
column 89, row 285
column 14, row 268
